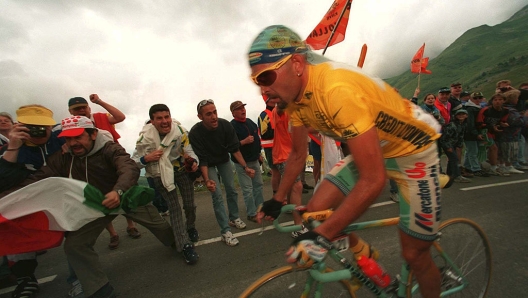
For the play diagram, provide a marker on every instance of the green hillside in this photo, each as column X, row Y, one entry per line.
column 478, row 59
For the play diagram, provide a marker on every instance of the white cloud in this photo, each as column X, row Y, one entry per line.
column 179, row 52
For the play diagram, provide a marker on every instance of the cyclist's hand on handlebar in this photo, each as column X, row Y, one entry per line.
column 308, row 248
column 271, row 208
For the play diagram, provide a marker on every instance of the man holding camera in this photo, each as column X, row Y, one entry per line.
column 31, row 141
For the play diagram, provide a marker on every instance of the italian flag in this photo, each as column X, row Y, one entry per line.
column 35, row 217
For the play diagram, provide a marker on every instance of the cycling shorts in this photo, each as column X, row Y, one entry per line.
column 418, row 188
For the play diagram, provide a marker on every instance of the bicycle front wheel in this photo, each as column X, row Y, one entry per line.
column 467, row 261
column 289, row 281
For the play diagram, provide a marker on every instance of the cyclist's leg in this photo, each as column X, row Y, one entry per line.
column 418, row 181
column 417, row 254
column 330, row 194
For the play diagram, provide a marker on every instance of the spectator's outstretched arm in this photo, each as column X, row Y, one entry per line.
column 116, row 115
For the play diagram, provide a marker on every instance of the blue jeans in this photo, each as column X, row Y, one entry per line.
column 225, row 171
column 251, row 187
column 471, row 161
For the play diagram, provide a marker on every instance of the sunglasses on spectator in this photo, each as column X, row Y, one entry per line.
column 203, row 103
column 267, row 76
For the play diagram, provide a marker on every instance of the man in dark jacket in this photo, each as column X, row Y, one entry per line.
column 213, row 139
column 95, row 159
column 247, row 133
column 472, row 136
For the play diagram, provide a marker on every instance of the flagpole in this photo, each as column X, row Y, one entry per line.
column 337, row 24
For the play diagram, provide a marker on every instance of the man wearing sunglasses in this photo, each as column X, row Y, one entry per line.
column 214, row 139
column 387, row 137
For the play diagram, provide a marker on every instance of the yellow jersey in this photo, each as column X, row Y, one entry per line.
column 342, row 102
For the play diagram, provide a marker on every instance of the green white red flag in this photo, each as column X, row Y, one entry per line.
column 35, row 217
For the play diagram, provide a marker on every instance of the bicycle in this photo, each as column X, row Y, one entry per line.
column 461, row 252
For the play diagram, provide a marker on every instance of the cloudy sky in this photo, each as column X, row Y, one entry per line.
column 138, row 53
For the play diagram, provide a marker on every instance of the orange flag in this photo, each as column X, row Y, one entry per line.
column 419, row 63
column 322, row 32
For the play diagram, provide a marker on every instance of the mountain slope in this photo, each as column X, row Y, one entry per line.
column 478, row 59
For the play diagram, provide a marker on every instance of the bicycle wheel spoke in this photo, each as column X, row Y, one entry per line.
column 467, row 247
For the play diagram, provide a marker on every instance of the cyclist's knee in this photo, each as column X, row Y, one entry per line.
column 418, row 258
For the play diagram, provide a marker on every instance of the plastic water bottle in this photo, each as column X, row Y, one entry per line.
column 374, row 271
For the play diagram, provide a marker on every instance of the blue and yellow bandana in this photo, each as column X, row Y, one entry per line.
column 274, row 43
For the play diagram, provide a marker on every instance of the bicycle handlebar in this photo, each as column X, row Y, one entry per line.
column 286, row 229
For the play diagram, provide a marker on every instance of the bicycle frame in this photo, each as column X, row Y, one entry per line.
column 317, row 272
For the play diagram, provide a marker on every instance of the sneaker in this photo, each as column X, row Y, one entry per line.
column 252, row 218
column 466, row 173
column 502, row 172
column 76, row 290
column 296, row 234
column 229, row 239
column 513, row 170
column 520, row 167
column 27, row 287
column 461, row 179
column 394, row 197
column 238, row 223
column 189, row 254
column 306, row 186
column 481, row 173
column 193, row 235
column 133, row 233
column 114, row 242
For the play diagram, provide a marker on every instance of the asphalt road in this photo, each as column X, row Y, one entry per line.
column 145, row 268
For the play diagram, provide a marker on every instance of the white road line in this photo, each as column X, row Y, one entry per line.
column 269, row 227
column 40, row 281
column 494, row 184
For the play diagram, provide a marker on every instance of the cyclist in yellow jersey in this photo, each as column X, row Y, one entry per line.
column 388, row 137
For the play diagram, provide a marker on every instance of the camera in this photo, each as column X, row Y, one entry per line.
column 504, row 89
column 36, row 131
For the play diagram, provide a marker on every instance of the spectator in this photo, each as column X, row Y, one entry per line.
column 266, row 134
column 32, row 140
column 247, row 133
column 106, row 165
column 6, row 124
column 443, row 105
column 455, row 98
column 429, row 106
column 213, row 139
column 451, row 139
column 522, row 107
column 494, row 118
column 78, row 106
column 473, row 137
column 161, row 150
column 509, row 139
column 464, row 97
column 281, row 151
